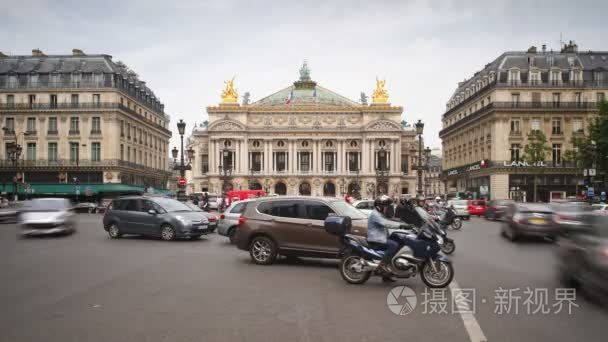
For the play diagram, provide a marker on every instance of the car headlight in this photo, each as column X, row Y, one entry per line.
column 183, row 220
column 439, row 240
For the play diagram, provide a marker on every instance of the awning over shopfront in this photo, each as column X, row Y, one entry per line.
column 73, row 189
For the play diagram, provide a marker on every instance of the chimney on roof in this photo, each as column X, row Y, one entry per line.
column 532, row 49
column 544, row 48
column 78, row 52
column 38, row 53
column 2, row 55
column 571, row 47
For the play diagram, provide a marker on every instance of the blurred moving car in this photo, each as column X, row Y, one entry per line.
column 366, row 206
column 45, row 216
column 293, row 226
column 10, row 213
column 529, row 219
column 86, row 207
column 571, row 214
column 476, row 207
column 600, row 207
column 212, row 225
column 230, row 219
column 496, row 208
column 461, row 207
column 583, row 257
column 153, row 216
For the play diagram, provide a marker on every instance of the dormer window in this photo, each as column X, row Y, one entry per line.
column 534, row 77
column 514, row 77
column 33, row 79
column 576, row 76
column 555, row 77
column 598, row 77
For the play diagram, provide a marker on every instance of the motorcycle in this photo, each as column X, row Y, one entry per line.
column 418, row 253
column 448, row 219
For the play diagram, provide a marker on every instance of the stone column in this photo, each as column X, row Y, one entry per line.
column 363, row 155
column 211, row 156
column 270, row 158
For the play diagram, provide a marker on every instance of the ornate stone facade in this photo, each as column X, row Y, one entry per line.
column 304, row 139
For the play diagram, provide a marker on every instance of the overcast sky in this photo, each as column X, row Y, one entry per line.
column 185, row 50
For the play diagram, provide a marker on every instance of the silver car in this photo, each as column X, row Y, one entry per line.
column 45, row 216
column 365, row 205
column 461, row 207
column 154, row 216
column 229, row 219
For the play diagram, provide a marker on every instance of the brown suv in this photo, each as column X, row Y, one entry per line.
column 293, row 226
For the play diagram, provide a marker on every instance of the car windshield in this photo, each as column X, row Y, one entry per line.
column 171, row 205
column 45, row 205
column 346, row 209
column 193, row 206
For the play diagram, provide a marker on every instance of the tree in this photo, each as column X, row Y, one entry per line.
column 534, row 154
column 598, row 133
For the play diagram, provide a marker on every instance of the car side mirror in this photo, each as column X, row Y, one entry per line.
column 152, row 212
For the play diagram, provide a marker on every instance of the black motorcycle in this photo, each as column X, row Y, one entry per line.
column 418, row 253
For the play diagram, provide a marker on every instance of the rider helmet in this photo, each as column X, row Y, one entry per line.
column 382, row 203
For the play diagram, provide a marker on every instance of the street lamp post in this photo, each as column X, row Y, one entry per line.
column 182, row 167
column 381, row 173
column 427, row 155
column 357, row 187
column 14, row 150
column 419, row 129
column 225, row 171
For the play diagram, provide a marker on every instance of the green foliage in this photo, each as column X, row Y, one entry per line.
column 536, row 149
column 598, row 132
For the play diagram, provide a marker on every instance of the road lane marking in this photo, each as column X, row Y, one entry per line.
column 468, row 318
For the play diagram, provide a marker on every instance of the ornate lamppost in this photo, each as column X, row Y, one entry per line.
column 14, row 150
column 357, row 186
column 381, row 173
column 427, row 156
column 419, row 168
column 182, row 167
column 267, row 186
column 225, row 171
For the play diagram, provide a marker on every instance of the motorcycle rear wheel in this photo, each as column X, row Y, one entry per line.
column 457, row 224
column 348, row 274
column 448, row 247
column 440, row 279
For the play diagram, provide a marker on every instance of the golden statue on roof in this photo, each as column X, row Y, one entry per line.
column 229, row 94
column 380, row 95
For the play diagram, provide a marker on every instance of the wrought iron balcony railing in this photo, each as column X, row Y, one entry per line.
column 77, row 163
column 69, row 106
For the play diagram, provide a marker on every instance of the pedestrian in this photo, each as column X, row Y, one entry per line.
column 195, row 200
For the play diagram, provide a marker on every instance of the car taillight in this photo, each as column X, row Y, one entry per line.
column 222, row 216
column 242, row 220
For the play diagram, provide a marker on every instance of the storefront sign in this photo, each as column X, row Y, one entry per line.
column 452, row 172
column 483, row 189
column 523, row 164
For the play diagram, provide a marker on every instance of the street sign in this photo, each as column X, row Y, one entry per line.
column 591, row 172
column 181, row 181
column 590, row 192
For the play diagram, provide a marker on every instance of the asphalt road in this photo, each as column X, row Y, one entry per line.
column 87, row 287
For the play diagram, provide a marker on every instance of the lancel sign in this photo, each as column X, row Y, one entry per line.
column 523, row 164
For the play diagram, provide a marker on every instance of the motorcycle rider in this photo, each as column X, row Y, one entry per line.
column 377, row 232
column 407, row 213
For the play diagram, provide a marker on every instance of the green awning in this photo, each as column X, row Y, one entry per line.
column 83, row 189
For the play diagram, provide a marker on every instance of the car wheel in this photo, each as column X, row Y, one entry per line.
column 263, row 250
column 231, row 235
column 114, row 231
column 511, row 234
column 167, row 232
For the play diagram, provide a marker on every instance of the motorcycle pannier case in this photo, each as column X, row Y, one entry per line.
column 338, row 225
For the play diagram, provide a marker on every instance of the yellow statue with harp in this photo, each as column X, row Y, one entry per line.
column 380, row 95
column 229, row 94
